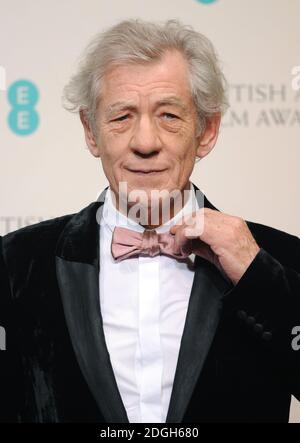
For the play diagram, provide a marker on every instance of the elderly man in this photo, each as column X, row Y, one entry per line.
column 112, row 315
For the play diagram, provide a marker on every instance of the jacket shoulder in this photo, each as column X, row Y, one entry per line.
column 34, row 240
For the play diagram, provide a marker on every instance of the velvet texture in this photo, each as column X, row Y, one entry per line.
column 236, row 362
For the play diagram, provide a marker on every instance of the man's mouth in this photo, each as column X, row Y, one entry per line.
column 147, row 171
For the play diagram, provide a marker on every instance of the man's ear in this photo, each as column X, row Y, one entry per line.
column 90, row 138
column 209, row 135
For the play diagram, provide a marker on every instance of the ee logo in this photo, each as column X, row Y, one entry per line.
column 23, row 118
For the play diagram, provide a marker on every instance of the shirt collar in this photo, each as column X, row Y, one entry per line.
column 112, row 217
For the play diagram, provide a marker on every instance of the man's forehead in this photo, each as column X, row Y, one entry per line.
column 171, row 71
column 158, row 100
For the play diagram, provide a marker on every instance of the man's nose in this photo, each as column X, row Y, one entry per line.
column 145, row 139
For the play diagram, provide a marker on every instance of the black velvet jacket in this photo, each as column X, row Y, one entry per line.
column 236, row 362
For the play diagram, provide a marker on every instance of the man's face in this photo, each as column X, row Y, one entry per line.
column 147, row 121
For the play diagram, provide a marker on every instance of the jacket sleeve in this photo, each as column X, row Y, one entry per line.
column 10, row 365
column 266, row 304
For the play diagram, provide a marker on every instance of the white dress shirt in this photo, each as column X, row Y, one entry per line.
column 143, row 302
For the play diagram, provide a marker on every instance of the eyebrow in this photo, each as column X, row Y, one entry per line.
column 119, row 106
column 172, row 100
column 122, row 105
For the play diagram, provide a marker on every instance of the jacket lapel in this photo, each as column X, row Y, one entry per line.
column 209, row 287
column 77, row 268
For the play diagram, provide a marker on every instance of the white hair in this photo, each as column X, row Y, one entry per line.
column 138, row 41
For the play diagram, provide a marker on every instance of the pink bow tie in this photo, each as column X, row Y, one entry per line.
column 127, row 243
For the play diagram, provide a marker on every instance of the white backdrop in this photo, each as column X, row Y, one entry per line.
column 253, row 171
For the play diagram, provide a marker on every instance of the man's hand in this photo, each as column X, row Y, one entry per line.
column 223, row 239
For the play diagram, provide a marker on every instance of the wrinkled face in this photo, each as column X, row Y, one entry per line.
column 147, row 125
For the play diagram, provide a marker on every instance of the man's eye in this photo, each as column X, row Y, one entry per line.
column 120, row 119
column 169, row 116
